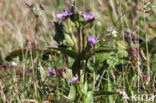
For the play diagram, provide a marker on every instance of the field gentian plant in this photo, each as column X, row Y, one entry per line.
column 79, row 55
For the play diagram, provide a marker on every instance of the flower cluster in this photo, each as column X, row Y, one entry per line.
column 67, row 13
column 51, row 72
column 133, row 54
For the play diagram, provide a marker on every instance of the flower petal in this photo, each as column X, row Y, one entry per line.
column 92, row 40
column 64, row 14
column 60, row 16
column 53, row 72
column 73, row 79
column 50, row 70
column 88, row 16
column 48, row 74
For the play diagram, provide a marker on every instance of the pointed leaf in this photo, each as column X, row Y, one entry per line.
column 42, row 72
column 59, row 35
column 85, row 88
column 70, row 53
column 67, row 74
column 72, row 93
column 88, row 54
column 19, row 53
column 90, row 97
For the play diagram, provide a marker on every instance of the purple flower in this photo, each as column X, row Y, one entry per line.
column 73, row 79
column 54, row 72
column 88, row 16
column 92, row 40
column 51, row 71
column 64, row 15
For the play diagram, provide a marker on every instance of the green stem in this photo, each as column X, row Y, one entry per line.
column 79, row 40
column 85, row 71
column 74, row 45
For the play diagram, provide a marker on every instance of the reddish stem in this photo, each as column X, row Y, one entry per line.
column 79, row 50
column 79, row 40
column 83, row 41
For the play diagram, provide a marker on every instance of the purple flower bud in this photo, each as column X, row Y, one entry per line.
column 48, row 74
column 73, row 79
column 92, row 40
column 53, row 72
column 50, row 70
column 88, row 16
column 64, row 15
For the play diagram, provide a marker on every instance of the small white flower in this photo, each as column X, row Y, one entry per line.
column 13, row 63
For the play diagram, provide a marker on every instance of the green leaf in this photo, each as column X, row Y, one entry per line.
column 59, row 35
column 67, row 74
column 69, row 41
column 24, row 52
column 153, row 63
column 87, row 54
column 90, row 67
column 113, row 60
column 110, row 88
column 79, row 86
column 42, row 72
column 84, row 55
column 70, row 53
column 121, row 45
column 75, row 67
column 72, row 94
column 85, row 88
column 14, row 54
column 122, row 53
column 104, row 50
column 75, row 17
column 90, row 97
